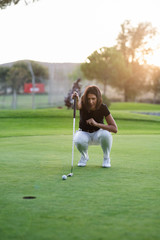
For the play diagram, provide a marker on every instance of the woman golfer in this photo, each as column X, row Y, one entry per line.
column 92, row 129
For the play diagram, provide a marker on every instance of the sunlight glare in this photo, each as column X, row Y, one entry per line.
column 154, row 59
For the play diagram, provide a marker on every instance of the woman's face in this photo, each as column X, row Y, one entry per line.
column 92, row 101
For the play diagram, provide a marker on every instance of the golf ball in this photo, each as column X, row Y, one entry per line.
column 64, row 177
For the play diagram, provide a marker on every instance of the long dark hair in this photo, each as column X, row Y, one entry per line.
column 91, row 90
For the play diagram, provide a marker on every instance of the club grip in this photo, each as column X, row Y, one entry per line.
column 74, row 108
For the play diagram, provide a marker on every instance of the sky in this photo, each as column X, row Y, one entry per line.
column 70, row 30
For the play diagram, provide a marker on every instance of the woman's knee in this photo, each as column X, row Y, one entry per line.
column 105, row 136
column 80, row 138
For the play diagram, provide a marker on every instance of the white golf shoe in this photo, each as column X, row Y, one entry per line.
column 83, row 161
column 106, row 163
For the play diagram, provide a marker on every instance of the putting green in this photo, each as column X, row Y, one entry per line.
column 121, row 202
column 96, row 203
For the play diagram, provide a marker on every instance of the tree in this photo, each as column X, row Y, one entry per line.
column 155, row 82
column 104, row 65
column 41, row 73
column 134, row 84
column 19, row 74
column 5, row 3
column 76, row 87
column 132, row 42
column 3, row 77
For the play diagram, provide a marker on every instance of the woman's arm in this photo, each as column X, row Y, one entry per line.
column 111, row 124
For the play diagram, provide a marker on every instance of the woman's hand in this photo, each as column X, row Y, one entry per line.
column 75, row 95
column 111, row 124
column 91, row 122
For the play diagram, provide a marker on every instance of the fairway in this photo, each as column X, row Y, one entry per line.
column 96, row 203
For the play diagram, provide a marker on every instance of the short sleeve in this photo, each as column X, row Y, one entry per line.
column 106, row 111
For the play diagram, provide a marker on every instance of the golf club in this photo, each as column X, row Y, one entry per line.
column 74, row 120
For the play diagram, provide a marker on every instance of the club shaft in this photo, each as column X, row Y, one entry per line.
column 73, row 144
column 74, row 120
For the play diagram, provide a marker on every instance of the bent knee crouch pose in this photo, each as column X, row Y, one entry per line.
column 92, row 129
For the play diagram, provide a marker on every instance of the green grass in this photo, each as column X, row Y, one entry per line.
column 117, row 203
column 59, row 121
column 135, row 106
column 24, row 101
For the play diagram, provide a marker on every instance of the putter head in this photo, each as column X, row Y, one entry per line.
column 70, row 175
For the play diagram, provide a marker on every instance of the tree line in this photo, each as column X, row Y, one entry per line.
column 16, row 76
column 123, row 66
column 20, row 73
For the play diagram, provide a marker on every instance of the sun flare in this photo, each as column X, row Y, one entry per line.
column 153, row 59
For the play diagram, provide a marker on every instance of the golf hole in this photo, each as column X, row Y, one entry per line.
column 29, row 197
